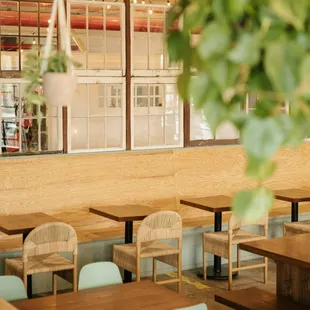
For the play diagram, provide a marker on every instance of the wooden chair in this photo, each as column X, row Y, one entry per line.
column 295, row 228
column 155, row 227
column 40, row 254
column 221, row 243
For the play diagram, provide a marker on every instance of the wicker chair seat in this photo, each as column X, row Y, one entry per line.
column 294, row 228
column 239, row 237
column 37, row 264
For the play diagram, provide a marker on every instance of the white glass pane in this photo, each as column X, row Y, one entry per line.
column 10, row 99
column 79, row 134
column 140, row 39
column 141, row 131
column 172, row 99
column 173, row 135
column 79, row 107
column 97, row 133
column 157, row 131
column 10, row 136
column 114, row 132
column 53, row 133
column 114, row 38
column 226, row 131
column 96, row 99
column 114, row 100
column 9, row 53
column 199, row 129
column 78, row 33
column 96, row 37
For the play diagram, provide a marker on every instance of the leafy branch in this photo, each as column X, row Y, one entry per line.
column 261, row 47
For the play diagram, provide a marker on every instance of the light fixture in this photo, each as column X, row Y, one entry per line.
column 49, row 21
column 21, row 50
column 34, row 41
column 168, row 3
column 108, row 6
column 134, row 1
column 150, row 11
column 143, row 2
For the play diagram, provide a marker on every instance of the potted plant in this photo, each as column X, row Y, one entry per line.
column 259, row 47
column 56, row 86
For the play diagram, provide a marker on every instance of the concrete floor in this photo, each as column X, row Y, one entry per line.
column 203, row 291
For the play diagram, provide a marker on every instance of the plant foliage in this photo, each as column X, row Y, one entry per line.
column 259, row 47
column 58, row 62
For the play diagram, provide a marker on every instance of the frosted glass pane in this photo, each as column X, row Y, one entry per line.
column 53, row 134
column 79, row 134
column 79, row 107
column 157, row 131
column 114, row 132
column 199, row 129
column 173, row 135
column 96, row 99
column 141, row 131
column 97, row 133
column 226, row 131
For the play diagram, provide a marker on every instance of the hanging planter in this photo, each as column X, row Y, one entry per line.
column 55, row 71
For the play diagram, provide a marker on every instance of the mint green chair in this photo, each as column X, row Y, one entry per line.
column 196, row 307
column 99, row 274
column 12, row 288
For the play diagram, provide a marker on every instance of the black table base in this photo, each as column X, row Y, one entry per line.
column 29, row 277
column 294, row 217
column 128, row 239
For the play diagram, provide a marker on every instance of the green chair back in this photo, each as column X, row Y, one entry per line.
column 12, row 288
column 99, row 274
column 196, row 307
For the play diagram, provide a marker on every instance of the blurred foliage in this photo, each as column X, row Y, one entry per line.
column 257, row 47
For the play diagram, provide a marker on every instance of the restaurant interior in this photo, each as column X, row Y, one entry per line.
column 122, row 200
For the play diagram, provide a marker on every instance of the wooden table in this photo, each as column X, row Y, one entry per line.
column 4, row 305
column 294, row 196
column 24, row 224
column 217, row 205
column 127, row 214
column 130, row 296
column 292, row 255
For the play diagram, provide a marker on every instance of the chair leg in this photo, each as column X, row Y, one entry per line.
column 230, row 268
column 266, row 270
column 154, row 269
column 54, row 283
column 204, row 261
column 238, row 256
column 180, row 272
column 75, row 282
column 138, row 270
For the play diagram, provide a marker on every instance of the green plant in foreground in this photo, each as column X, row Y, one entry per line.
column 58, row 62
column 261, row 47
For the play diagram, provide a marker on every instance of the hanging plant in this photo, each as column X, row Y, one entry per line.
column 51, row 78
column 259, row 47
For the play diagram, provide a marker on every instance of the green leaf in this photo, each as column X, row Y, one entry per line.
column 219, row 72
column 291, row 11
column 305, row 76
column 281, row 63
column 193, row 17
column 246, row 51
column 237, row 7
column 260, row 170
column 252, row 205
column 175, row 41
column 183, row 85
column 262, row 137
column 199, row 86
column 173, row 15
column 215, row 40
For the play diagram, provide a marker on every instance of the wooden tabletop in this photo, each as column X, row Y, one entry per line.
column 292, row 195
column 123, row 213
column 131, row 296
column 24, row 223
column 293, row 250
column 212, row 204
column 5, row 305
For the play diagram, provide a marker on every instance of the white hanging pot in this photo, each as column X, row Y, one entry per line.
column 59, row 88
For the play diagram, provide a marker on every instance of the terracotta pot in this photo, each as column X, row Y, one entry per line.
column 59, row 88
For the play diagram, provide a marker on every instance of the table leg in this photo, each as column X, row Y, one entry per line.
column 217, row 272
column 128, row 239
column 294, row 217
column 29, row 277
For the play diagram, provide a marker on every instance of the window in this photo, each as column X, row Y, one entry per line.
column 20, row 30
column 97, row 116
column 157, row 115
column 148, row 39
column 97, row 36
column 23, row 130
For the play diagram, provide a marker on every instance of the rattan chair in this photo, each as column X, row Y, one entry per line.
column 221, row 243
column 295, row 228
column 40, row 254
column 157, row 226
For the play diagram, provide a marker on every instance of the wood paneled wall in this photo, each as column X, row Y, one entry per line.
column 158, row 179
